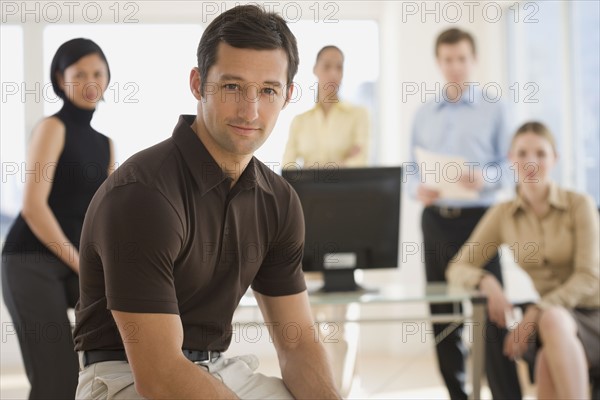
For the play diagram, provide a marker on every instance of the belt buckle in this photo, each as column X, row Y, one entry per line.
column 449, row 212
column 210, row 358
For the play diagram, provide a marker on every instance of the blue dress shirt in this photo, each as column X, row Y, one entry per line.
column 473, row 128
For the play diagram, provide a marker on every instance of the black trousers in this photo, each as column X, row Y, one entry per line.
column 38, row 290
column 443, row 236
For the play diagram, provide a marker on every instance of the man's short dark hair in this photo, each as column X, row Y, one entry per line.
column 247, row 27
column 453, row 36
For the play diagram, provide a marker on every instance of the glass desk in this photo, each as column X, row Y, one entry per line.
column 395, row 293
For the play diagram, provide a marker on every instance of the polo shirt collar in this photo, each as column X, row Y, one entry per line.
column 203, row 167
column 556, row 197
column 251, row 177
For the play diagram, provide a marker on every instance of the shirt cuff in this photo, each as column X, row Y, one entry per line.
column 550, row 300
column 465, row 276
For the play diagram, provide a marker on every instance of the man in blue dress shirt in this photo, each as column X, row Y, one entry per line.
column 465, row 121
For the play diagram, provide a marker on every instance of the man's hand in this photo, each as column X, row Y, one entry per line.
column 473, row 179
column 498, row 305
column 427, row 196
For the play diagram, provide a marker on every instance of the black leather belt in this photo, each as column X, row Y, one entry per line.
column 195, row 356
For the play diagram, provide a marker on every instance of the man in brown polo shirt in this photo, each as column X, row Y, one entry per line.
column 178, row 233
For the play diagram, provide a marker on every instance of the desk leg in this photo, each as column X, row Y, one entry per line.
column 478, row 349
column 341, row 342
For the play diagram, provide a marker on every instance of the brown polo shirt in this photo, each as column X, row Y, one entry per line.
column 165, row 233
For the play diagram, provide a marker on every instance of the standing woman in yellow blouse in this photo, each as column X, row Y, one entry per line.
column 333, row 131
column 553, row 233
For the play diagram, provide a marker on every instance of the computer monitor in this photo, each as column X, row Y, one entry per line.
column 352, row 220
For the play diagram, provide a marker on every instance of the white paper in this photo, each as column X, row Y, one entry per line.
column 441, row 172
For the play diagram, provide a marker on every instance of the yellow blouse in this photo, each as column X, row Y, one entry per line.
column 317, row 139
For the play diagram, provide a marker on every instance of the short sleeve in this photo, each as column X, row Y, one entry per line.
column 138, row 235
column 281, row 272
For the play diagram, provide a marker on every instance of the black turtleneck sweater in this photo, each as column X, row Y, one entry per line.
column 81, row 169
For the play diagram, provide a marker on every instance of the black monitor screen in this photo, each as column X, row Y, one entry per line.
column 351, row 215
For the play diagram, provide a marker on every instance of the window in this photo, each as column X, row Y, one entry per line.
column 535, row 66
column 12, row 125
column 150, row 66
column 559, row 54
column 585, row 20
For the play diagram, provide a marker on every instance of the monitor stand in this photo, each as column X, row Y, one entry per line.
column 341, row 280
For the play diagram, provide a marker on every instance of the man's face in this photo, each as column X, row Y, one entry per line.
column 244, row 93
column 456, row 61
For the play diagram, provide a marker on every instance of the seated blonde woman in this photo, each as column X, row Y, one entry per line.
column 553, row 233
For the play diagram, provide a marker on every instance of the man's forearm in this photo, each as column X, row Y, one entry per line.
column 185, row 380
column 306, row 372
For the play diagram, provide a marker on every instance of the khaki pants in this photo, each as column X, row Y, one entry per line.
column 114, row 380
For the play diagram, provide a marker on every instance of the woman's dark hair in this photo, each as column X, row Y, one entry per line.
column 329, row 47
column 69, row 53
column 247, row 27
column 453, row 36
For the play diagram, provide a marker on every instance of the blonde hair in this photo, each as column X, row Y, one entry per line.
column 537, row 128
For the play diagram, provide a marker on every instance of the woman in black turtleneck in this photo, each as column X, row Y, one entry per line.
column 67, row 161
